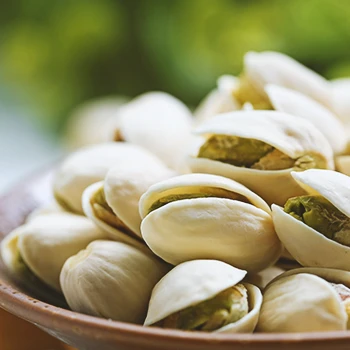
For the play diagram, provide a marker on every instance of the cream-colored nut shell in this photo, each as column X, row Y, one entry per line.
column 238, row 233
column 276, row 68
column 342, row 164
column 306, row 245
column 125, row 184
column 90, row 122
column 111, row 280
column 190, row 283
column 160, row 123
column 340, row 89
column 112, row 232
column 295, row 103
column 50, row 208
column 89, row 165
column 300, row 301
column 219, row 100
column 291, row 135
column 47, row 241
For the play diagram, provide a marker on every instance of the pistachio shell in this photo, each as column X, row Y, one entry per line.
column 193, row 282
column 124, row 185
column 46, row 242
column 307, row 246
column 340, row 89
column 238, row 230
column 120, row 235
column 342, row 164
column 90, row 165
column 160, row 123
column 220, row 100
column 295, row 103
column 90, row 122
column 52, row 207
column 291, row 135
column 301, row 303
column 188, row 284
column 276, row 68
column 112, row 280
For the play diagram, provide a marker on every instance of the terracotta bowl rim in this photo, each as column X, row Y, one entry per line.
column 50, row 316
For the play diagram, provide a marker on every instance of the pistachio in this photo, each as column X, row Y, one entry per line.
column 204, row 295
column 320, row 214
column 104, row 212
column 344, row 293
column 201, row 216
column 255, row 154
column 226, row 307
column 247, row 91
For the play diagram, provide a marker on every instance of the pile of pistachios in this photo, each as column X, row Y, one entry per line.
column 233, row 218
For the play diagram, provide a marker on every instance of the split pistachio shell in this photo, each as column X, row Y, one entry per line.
column 202, row 216
column 270, row 139
column 306, row 244
column 44, row 243
column 160, row 123
column 276, row 68
column 295, row 103
column 90, row 122
column 90, row 165
column 220, row 100
column 192, row 285
column 111, row 280
column 111, row 224
column 305, row 300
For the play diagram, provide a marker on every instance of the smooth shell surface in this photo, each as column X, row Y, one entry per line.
column 189, row 284
column 276, row 68
column 160, row 123
column 89, row 165
column 301, row 302
column 236, row 232
column 112, row 280
column 124, row 185
column 291, row 135
column 295, row 103
column 47, row 241
column 340, row 89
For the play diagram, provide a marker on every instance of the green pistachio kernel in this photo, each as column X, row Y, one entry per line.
column 344, row 293
column 197, row 192
column 255, row 154
column 247, row 92
column 105, row 213
column 320, row 214
column 226, row 307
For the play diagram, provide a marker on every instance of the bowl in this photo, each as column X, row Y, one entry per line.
column 39, row 306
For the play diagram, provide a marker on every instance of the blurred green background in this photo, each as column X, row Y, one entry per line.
column 55, row 54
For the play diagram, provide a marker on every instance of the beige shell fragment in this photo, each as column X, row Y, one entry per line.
column 111, row 280
column 160, row 123
column 303, row 300
column 291, row 135
column 46, row 242
column 195, row 281
column 262, row 68
column 90, row 165
column 306, row 245
column 233, row 231
column 295, row 103
column 220, row 100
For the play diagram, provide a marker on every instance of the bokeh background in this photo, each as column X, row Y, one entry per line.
column 56, row 54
